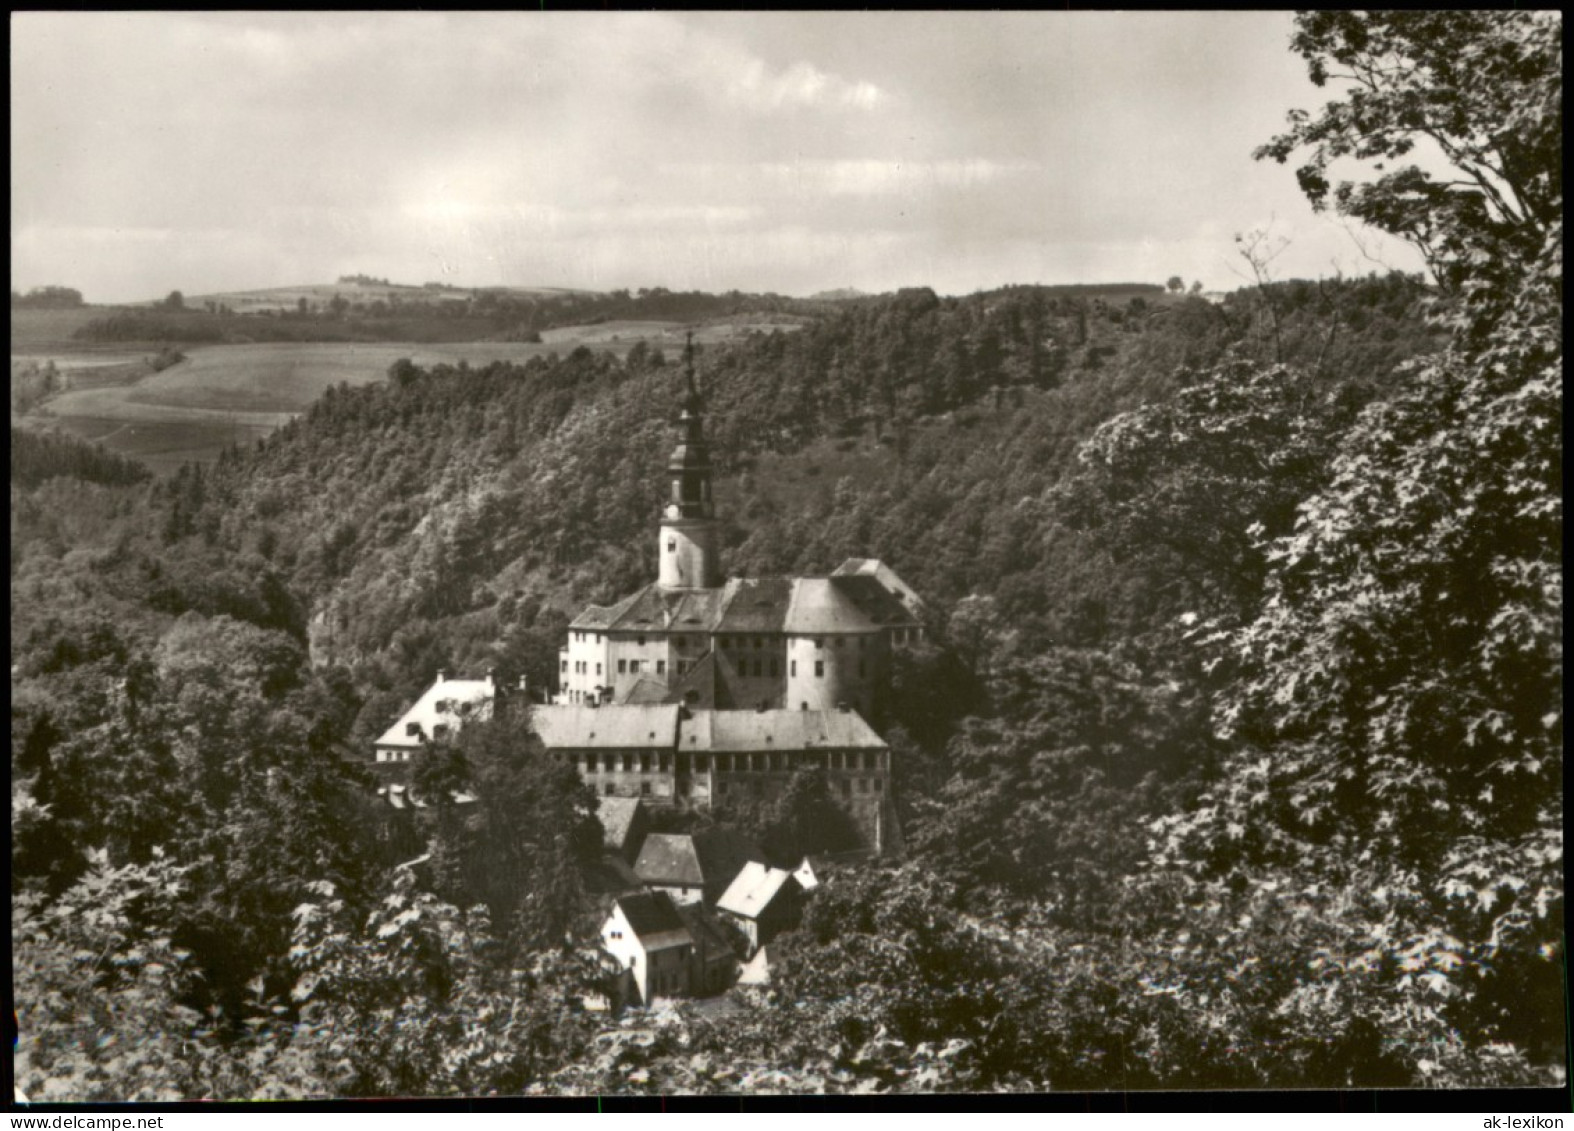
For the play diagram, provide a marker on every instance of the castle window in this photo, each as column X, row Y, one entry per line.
column 794, row 670
column 661, row 667
column 633, row 667
column 672, row 545
column 623, row 667
column 644, row 761
column 563, row 666
column 776, row 668
column 819, row 667
column 628, row 761
column 640, row 640
column 644, row 788
column 607, row 789
column 598, row 669
column 879, row 785
column 700, row 762
column 818, row 643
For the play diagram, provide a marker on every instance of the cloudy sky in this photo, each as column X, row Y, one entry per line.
column 785, row 152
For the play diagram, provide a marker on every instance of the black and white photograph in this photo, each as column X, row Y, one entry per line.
column 624, row 555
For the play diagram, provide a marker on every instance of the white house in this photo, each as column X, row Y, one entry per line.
column 651, row 942
column 762, row 901
column 439, row 712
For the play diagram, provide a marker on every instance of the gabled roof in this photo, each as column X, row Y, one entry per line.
column 709, row 858
column 620, row 727
column 617, row 818
column 669, row 858
column 754, row 890
column 645, row 690
column 819, row 606
column 654, row 919
column 459, row 696
column 743, row 731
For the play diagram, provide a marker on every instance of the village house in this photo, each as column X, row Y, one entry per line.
column 762, row 901
column 694, row 868
column 651, row 943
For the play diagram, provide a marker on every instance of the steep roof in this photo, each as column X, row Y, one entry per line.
column 756, row 605
column 885, row 575
column 459, row 697
column 646, row 690
column 654, row 919
column 617, row 818
column 621, row 727
column 709, row 858
column 741, row 731
column 821, row 607
column 655, row 609
column 755, row 889
column 669, row 858
column 874, row 600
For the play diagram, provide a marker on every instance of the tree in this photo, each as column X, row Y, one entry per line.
column 1397, row 719
column 519, row 844
column 1176, row 285
column 175, row 301
column 1481, row 89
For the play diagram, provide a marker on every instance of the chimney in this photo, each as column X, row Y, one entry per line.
column 441, row 675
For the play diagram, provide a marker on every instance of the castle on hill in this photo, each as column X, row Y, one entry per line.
column 696, row 689
column 799, row 643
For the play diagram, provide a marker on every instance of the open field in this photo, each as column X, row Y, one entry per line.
column 223, row 394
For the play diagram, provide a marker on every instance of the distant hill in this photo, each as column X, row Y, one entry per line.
column 363, row 291
column 841, row 294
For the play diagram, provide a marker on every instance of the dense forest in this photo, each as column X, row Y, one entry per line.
column 1236, row 760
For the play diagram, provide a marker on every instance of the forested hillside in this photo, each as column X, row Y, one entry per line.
column 1237, row 760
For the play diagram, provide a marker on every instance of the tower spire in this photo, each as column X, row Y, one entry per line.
column 688, row 549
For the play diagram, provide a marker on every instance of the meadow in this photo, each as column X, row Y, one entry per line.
column 223, row 394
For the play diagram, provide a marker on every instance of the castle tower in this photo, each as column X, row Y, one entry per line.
column 690, row 537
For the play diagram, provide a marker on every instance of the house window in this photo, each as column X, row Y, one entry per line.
column 819, row 667
column 819, row 643
column 661, row 667
column 644, row 788
column 633, row 667
column 623, row 666
column 598, row 669
column 563, row 666
column 412, row 730
column 701, row 762
column 644, row 761
column 879, row 785
column 440, row 730
column 640, row 641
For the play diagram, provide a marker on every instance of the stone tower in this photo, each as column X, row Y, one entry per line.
column 688, row 551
